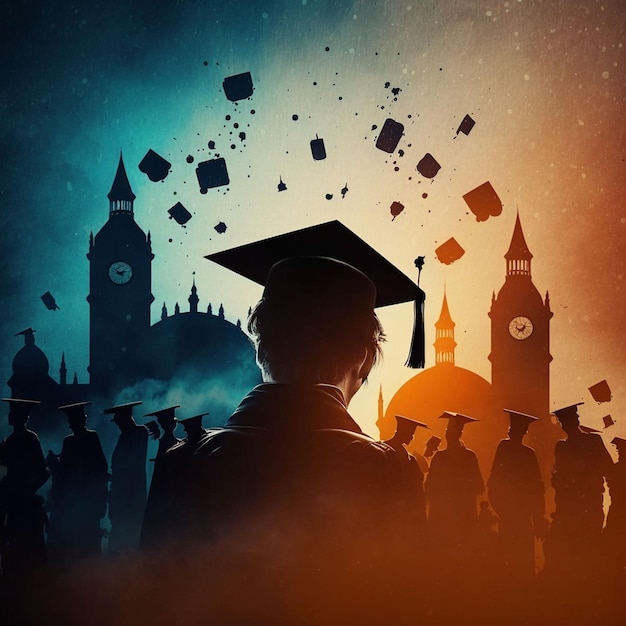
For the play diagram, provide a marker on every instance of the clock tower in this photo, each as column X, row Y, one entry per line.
column 120, row 258
column 520, row 336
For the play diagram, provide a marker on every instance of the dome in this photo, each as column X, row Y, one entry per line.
column 446, row 387
column 30, row 361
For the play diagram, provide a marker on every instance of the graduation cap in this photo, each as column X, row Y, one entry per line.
column 193, row 423
column 390, row 135
column 428, row 166
column 76, row 409
column 154, row 166
column 601, row 392
column 49, row 301
column 27, row 333
column 588, row 429
column 238, row 87
column 329, row 268
column 520, row 418
column 483, row 202
column 466, row 125
column 121, row 410
column 318, row 149
column 165, row 415
column 211, row 174
column 567, row 412
column 408, row 424
column 449, row 251
column 608, row 421
column 20, row 406
column 220, row 228
column 395, row 209
column 457, row 419
column 179, row 213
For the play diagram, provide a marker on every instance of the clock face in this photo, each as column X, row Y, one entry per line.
column 120, row 272
column 520, row 327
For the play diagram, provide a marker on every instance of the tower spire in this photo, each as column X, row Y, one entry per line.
column 518, row 255
column 444, row 331
column 121, row 196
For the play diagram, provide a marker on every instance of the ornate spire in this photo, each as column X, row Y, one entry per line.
column 63, row 370
column 444, row 333
column 518, row 255
column 193, row 298
column 121, row 196
column 163, row 312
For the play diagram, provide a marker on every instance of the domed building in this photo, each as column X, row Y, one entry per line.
column 447, row 387
column 196, row 357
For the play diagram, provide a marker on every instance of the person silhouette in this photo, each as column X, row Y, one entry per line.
column 581, row 465
column 166, row 419
column 80, row 486
column 292, row 502
column 516, row 493
column 614, row 535
column 414, row 475
column 127, row 497
column 22, row 515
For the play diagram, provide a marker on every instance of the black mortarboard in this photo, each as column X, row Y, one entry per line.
column 318, row 149
column 122, row 410
column 428, row 166
column 522, row 418
column 179, row 213
column 318, row 264
column 27, row 332
column 409, row 423
column 49, row 301
column 20, row 405
column 76, row 409
column 608, row 421
column 431, row 445
column 601, row 391
column 588, row 429
column 466, row 125
column 238, row 87
column 154, row 166
column 166, row 414
column 567, row 412
column 390, row 135
column 193, row 422
column 212, row 173
column 457, row 418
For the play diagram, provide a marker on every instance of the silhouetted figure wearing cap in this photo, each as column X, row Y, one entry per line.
column 127, row 497
column 516, row 493
column 452, row 486
column 80, row 486
column 22, row 515
column 165, row 509
column 615, row 528
column 581, row 465
column 291, row 497
column 158, row 512
column 414, row 476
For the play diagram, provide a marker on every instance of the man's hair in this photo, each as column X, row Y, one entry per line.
column 311, row 345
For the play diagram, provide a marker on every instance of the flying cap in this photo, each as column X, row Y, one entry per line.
column 165, row 414
column 567, row 412
column 409, row 423
column 432, row 445
column 20, row 406
column 458, row 418
column 122, row 410
column 76, row 409
column 327, row 265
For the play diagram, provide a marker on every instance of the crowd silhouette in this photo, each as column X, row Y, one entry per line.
column 290, row 514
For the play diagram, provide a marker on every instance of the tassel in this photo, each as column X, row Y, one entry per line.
column 417, row 354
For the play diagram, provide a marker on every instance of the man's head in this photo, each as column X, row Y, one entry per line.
column 315, row 320
column 569, row 419
column 76, row 416
column 19, row 411
column 123, row 415
column 518, row 424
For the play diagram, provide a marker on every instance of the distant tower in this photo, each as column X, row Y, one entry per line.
column 520, row 336
column 444, row 335
column 120, row 258
column 193, row 298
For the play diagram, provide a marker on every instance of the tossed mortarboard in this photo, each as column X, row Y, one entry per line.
column 428, row 166
column 212, row 173
column 601, row 392
column 21, row 406
column 390, row 135
column 483, row 202
column 608, row 421
column 76, row 409
column 49, row 301
column 166, row 414
column 409, row 423
column 238, row 87
column 449, row 251
column 567, row 412
column 122, row 410
column 457, row 419
column 318, row 149
column 466, row 125
column 317, row 265
column 154, row 166
column 179, row 213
